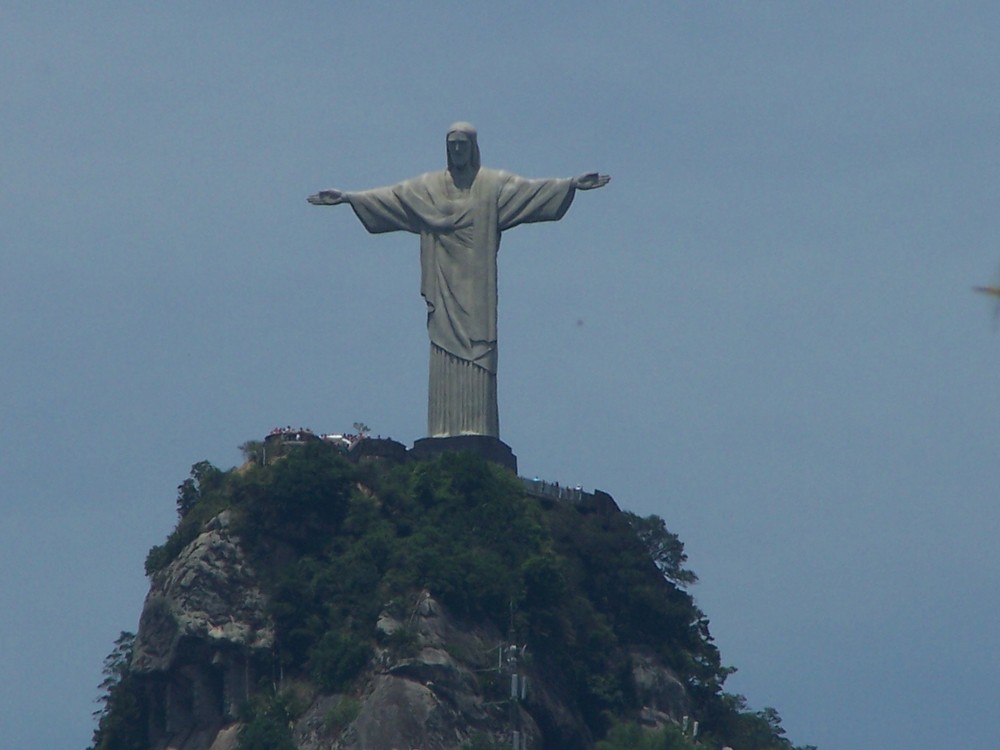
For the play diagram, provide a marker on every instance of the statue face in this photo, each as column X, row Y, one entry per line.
column 459, row 149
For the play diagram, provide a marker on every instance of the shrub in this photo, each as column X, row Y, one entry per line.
column 337, row 659
column 267, row 722
column 343, row 712
column 122, row 718
column 627, row 736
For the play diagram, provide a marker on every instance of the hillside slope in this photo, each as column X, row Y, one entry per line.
column 318, row 603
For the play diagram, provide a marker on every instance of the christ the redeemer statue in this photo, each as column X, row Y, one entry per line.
column 459, row 214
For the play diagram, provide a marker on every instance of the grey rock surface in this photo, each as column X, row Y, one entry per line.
column 662, row 694
column 202, row 632
column 209, row 594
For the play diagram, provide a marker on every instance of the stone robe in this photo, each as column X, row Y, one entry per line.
column 459, row 239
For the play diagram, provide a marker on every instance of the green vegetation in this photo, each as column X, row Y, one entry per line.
column 199, row 497
column 267, row 724
column 731, row 721
column 632, row 737
column 580, row 583
column 343, row 713
column 121, row 719
column 480, row 741
column 253, row 451
column 761, row 730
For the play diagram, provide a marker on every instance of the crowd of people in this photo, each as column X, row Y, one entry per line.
column 292, row 434
column 289, row 434
column 540, row 487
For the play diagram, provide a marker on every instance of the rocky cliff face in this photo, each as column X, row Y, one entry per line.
column 203, row 638
column 206, row 644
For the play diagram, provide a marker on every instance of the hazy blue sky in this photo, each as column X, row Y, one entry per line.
column 761, row 330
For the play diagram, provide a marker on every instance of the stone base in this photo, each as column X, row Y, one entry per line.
column 490, row 448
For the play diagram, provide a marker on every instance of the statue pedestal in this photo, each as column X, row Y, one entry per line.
column 490, row 448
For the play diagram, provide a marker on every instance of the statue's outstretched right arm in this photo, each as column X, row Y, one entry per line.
column 385, row 209
column 591, row 181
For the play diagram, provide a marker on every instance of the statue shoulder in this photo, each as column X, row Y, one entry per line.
column 495, row 178
column 430, row 180
column 422, row 184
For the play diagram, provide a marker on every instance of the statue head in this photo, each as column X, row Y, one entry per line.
column 463, row 147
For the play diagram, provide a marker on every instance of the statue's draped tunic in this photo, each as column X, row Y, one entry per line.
column 459, row 239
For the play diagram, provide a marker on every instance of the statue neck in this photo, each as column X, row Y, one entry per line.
column 463, row 177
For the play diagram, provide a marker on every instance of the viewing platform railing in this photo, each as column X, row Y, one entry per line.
column 554, row 490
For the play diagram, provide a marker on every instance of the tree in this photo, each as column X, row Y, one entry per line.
column 204, row 477
column 626, row 736
column 253, row 451
column 121, row 720
column 267, row 725
column 664, row 547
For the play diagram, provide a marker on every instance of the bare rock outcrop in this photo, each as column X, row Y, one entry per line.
column 203, row 635
column 662, row 694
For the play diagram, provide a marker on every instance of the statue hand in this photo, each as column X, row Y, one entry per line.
column 327, row 198
column 591, row 181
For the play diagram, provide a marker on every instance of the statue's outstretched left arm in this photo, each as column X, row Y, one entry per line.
column 330, row 197
column 591, row 181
